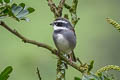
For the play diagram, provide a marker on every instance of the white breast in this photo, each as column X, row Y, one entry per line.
column 62, row 43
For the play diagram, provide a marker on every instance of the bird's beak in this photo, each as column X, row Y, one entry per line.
column 51, row 24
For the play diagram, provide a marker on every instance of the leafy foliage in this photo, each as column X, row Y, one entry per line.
column 96, row 77
column 18, row 12
column 90, row 77
column 90, row 66
column 5, row 1
column 106, row 76
column 5, row 74
column 76, row 78
column 101, row 74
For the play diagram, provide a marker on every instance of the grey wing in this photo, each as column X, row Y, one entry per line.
column 70, row 36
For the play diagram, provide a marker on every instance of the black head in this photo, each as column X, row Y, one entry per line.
column 62, row 22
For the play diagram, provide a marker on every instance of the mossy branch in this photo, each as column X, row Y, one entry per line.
column 114, row 23
column 107, row 68
column 72, row 9
column 43, row 45
column 57, row 10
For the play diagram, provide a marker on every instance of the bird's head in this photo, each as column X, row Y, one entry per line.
column 61, row 23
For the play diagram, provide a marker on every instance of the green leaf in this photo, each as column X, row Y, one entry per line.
column 1, row 1
column 6, row 11
column 23, row 13
column 106, row 76
column 18, row 12
column 16, row 9
column 76, row 78
column 2, row 9
column 30, row 9
column 7, row 1
column 90, row 66
column 10, row 12
column 14, row 4
column 5, row 74
column 90, row 77
column 22, row 5
column 13, row 7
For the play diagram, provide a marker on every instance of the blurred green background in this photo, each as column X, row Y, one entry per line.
column 96, row 40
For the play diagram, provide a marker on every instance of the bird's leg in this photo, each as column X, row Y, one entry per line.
column 70, row 59
column 58, row 52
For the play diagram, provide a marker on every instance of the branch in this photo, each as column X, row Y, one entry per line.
column 53, row 7
column 114, row 23
column 25, row 40
column 107, row 68
column 61, row 67
column 57, row 11
column 82, row 69
column 60, row 7
column 38, row 73
column 72, row 9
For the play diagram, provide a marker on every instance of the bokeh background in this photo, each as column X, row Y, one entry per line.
column 96, row 40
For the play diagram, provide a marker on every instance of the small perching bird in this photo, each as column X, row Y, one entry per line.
column 64, row 37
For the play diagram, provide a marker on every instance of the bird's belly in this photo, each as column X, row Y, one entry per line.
column 62, row 43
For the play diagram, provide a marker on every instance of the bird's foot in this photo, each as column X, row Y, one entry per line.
column 57, row 52
column 70, row 60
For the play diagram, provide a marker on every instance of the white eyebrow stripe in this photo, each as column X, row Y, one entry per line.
column 61, row 21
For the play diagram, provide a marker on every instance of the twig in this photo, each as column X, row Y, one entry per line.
column 25, row 40
column 60, row 7
column 53, row 8
column 57, row 11
column 114, row 23
column 54, row 51
column 107, row 68
column 38, row 73
column 79, row 61
column 72, row 9
column 67, row 6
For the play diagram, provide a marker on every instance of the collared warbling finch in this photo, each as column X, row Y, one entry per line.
column 64, row 37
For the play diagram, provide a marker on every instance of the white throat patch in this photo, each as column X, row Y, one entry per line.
column 57, row 28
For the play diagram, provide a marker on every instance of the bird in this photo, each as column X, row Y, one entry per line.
column 64, row 37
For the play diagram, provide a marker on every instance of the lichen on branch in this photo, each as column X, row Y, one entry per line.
column 73, row 11
column 57, row 10
column 114, row 23
column 107, row 68
column 39, row 44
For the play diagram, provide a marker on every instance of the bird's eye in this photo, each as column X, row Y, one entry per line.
column 59, row 24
